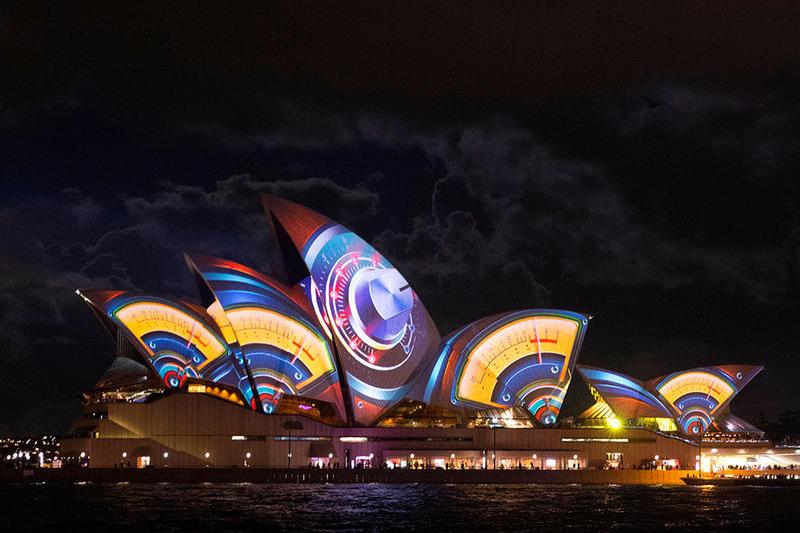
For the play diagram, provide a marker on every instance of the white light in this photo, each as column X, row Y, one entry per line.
column 452, row 456
column 289, row 455
column 656, row 457
column 575, row 456
column 714, row 450
column 770, row 451
column 352, row 439
column 614, row 423
column 534, row 456
column 330, row 456
column 124, row 455
column 83, row 454
column 797, row 450
column 371, row 456
column 248, row 455
column 411, row 455
column 208, row 455
column 166, row 454
column 238, row 437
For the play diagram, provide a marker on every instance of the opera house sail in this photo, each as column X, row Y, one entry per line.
column 688, row 401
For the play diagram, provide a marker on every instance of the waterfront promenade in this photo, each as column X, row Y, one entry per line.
column 307, row 475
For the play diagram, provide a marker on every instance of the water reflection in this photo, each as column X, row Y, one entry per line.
column 376, row 507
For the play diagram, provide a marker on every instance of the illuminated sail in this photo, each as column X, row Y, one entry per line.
column 626, row 396
column 383, row 334
column 284, row 350
column 524, row 358
column 176, row 338
column 698, row 395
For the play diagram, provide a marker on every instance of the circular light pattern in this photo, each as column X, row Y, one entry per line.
column 371, row 308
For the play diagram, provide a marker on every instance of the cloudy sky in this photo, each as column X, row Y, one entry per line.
column 637, row 163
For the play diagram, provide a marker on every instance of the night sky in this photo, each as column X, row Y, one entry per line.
column 634, row 162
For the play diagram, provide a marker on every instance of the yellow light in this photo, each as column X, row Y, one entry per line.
column 614, row 423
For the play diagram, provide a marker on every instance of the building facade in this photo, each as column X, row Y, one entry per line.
column 334, row 360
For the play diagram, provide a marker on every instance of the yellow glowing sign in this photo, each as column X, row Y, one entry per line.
column 255, row 325
column 141, row 318
column 499, row 350
column 696, row 382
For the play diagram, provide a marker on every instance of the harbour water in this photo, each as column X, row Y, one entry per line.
column 123, row 507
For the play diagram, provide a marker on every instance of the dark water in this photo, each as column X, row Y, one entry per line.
column 243, row 507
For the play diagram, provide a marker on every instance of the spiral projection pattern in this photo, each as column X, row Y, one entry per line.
column 384, row 336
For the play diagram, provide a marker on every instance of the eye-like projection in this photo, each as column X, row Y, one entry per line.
column 383, row 334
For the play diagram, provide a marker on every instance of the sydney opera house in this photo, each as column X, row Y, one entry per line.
column 333, row 360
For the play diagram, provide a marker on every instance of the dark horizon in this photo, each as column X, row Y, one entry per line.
column 633, row 162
